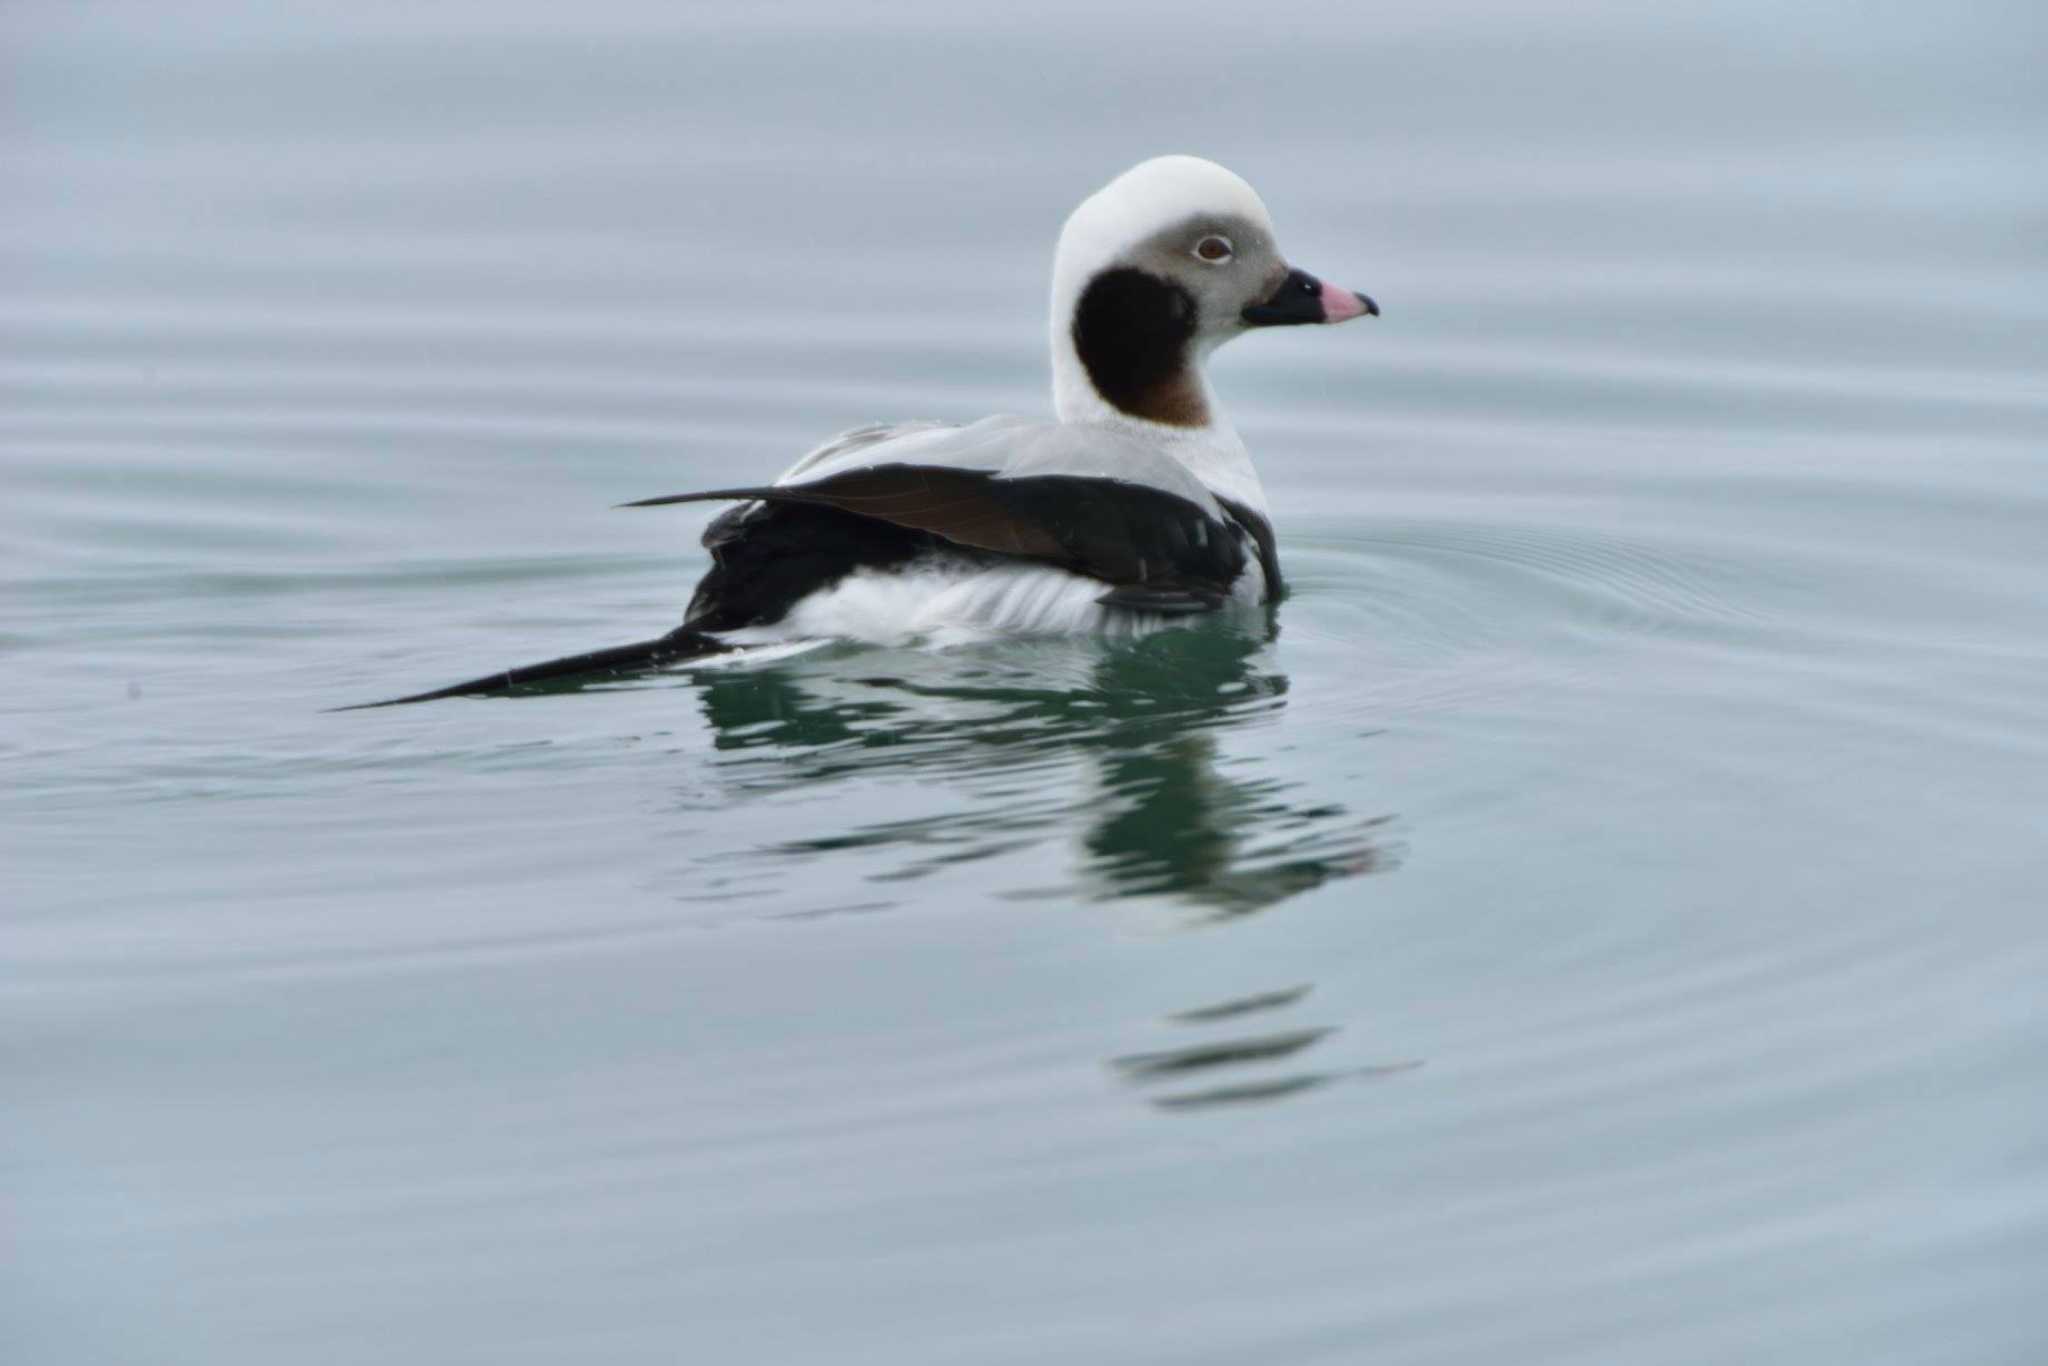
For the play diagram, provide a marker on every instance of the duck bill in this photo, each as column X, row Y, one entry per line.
column 1302, row 298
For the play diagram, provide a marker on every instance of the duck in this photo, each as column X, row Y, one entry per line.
column 1136, row 507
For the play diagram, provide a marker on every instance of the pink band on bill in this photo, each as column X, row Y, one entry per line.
column 1341, row 304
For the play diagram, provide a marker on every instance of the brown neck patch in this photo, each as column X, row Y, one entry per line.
column 1132, row 331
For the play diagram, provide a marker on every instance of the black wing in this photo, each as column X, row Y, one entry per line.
column 1261, row 531
column 1156, row 551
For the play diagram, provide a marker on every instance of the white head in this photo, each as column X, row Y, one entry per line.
column 1154, row 271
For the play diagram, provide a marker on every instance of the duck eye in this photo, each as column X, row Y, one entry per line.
column 1214, row 250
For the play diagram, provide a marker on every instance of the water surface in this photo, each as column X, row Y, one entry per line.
column 1595, row 918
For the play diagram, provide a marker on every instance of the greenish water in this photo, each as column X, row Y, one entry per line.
column 1598, row 918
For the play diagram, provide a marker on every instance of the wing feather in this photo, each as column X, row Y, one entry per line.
column 1125, row 534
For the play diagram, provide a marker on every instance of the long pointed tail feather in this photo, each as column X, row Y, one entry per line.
column 678, row 645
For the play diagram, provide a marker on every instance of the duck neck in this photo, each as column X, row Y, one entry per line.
column 1177, row 411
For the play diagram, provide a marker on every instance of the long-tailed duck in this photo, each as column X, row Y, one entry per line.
column 1137, row 505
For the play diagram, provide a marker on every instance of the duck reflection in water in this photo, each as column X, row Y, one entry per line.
column 1168, row 817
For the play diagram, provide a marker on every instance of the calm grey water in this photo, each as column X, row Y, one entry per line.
column 1600, row 921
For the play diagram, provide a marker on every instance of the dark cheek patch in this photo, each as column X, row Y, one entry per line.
column 1132, row 331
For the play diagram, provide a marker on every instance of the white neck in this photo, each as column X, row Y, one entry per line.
column 1212, row 452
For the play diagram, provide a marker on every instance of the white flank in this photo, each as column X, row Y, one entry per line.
column 962, row 602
